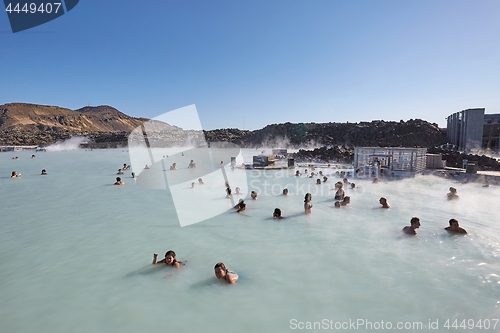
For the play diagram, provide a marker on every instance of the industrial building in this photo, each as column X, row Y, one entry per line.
column 471, row 129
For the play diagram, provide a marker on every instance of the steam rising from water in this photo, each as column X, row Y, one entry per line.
column 69, row 144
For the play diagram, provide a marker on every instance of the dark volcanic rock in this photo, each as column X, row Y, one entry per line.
column 333, row 154
column 31, row 124
column 412, row 133
column 455, row 159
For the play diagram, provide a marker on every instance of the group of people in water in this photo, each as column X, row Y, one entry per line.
column 220, row 270
column 340, row 198
column 415, row 224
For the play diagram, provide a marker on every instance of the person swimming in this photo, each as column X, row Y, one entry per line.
column 308, row 203
column 15, row 174
column 384, row 203
column 454, row 227
column 277, row 213
column 297, row 173
column 285, row 191
column 318, row 181
column 200, row 181
column 119, row 181
column 253, row 195
column 452, row 194
column 240, row 206
column 192, row 185
column 346, row 201
column 339, row 195
column 146, row 167
column 44, row 172
column 238, row 190
column 325, row 178
column 191, row 165
column 221, row 272
column 168, row 260
column 120, row 172
column 228, row 191
column 173, row 166
column 337, row 204
column 414, row 224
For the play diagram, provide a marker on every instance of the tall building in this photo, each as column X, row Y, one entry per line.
column 491, row 131
column 465, row 129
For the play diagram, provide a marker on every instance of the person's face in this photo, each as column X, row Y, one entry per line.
column 169, row 259
column 454, row 225
column 382, row 201
column 219, row 272
column 416, row 225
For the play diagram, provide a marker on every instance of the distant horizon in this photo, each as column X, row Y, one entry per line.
column 245, row 129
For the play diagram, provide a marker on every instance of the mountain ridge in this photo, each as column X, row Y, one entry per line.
column 34, row 124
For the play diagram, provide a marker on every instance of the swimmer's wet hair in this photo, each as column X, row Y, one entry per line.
column 277, row 212
column 414, row 220
column 221, row 265
column 172, row 253
column 452, row 221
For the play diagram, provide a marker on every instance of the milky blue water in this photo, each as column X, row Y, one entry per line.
column 76, row 252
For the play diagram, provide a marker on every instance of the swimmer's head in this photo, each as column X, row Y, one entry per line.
column 415, row 222
column 337, row 204
column 382, row 200
column 285, row 191
column 453, row 223
column 307, row 197
column 453, row 190
column 318, row 181
column 118, row 179
column 220, row 270
column 169, row 257
column 277, row 213
column 240, row 201
column 347, row 199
